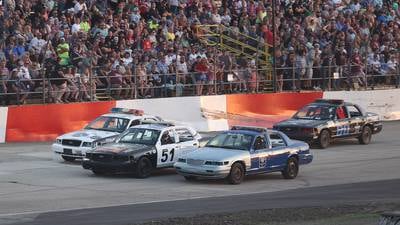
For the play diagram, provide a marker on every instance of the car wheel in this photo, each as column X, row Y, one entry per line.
column 143, row 167
column 292, row 168
column 190, row 178
column 98, row 172
column 236, row 174
column 68, row 158
column 365, row 137
column 324, row 139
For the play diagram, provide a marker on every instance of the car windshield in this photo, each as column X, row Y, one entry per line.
column 234, row 141
column 316, row 112
column 140, row 136
column 108, row 123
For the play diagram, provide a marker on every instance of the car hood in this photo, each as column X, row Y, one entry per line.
column 88, row 135
column 121, row 148
column 216, row 154
column 300, row 123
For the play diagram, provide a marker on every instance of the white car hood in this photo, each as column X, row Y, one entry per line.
column 217, row 154
column 88, row 135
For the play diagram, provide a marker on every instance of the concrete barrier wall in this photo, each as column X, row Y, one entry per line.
column 3, row 123
column 207, row 113
column 385, row 103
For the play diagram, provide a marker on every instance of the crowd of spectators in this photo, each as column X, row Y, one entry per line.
column 135, row 48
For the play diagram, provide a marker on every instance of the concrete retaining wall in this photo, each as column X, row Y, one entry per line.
column 205, row 113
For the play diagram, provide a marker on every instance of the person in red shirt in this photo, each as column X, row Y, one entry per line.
column 340, row 113
column 201, row 69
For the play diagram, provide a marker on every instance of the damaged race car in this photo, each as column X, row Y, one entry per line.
column 325, row 120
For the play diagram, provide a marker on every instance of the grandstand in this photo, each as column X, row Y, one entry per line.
column 60, row 51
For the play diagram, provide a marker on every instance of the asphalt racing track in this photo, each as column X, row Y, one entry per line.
column 35, row 189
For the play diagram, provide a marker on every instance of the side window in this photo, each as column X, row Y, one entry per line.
column 167, row 138
column 150, row 119
column 276, row 140
column 260, row 143
column 135, row 123
column 341, row 113
column 353, row 111
column 184, row 135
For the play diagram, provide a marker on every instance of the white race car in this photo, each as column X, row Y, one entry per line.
column 102, row 130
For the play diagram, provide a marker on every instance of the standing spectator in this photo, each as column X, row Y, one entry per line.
column 301, row 64
column 4, row 75
column 201, row 69
column 63, row 52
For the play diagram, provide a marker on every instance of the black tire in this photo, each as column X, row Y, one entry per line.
column 236, row 175
column 98, row 172
column 291, row 169
column 365, row 136
column 68, row 158
column 144, row 168
column 190, row 178
column 324, row 139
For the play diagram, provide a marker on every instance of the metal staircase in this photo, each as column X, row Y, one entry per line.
column 226, row 39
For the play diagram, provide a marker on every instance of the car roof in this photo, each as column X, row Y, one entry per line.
column 127, row 116
column 154, row 126
column 248, row 132
column 331, row 102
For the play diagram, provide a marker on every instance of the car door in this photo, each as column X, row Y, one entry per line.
column 356, row 119
column 166, row 149
column 259, row 155
column 342, row 122
column 279, row 151
column 186, row 140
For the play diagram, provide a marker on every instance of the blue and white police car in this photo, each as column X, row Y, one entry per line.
column 244, row 151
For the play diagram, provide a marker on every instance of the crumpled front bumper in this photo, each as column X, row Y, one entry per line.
column 125, row 166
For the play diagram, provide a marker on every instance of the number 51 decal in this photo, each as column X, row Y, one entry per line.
column 164, row 155
column 343, row 130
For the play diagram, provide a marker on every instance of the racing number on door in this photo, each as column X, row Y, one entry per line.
column 165, row 155
column 343, row 130
column 263, row 162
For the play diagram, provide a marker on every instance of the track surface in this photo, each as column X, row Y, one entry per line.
column 34, row 187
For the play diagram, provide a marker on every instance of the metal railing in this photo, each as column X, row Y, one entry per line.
column 96, row 87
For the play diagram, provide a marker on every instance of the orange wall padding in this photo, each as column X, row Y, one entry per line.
column 265, row 109
column 31, row 123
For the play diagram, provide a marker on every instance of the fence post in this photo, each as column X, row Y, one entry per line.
column 91, row 85
column 293, row 77
column 165, row 85
column 42, row 73
column 329, row 75
column 215, row 72
column 397, row 76
column 135, row 83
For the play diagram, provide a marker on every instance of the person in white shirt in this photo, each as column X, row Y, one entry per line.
column 170, row 57
column 22, row 71
column 76, row 27
column 37, row 43
column 182, row 68
column 127, row 58
column 80, row 7
column 193, row 56
column 216, row 17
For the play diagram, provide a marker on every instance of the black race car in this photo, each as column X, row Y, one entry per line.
column 142, row 148
column 326, row 119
